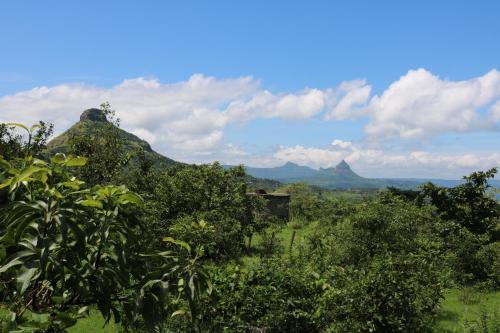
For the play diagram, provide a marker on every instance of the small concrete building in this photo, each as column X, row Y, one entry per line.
column 278, row 204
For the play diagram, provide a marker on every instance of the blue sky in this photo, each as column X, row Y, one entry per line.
column 260, row 82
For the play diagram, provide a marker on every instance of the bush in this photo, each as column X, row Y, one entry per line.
column 209, row 193
column 189, row 230
column 383, row 266
column 488, row 258
column 65, row 249
column 376, row 227
column 274, row 295
column 393, row 294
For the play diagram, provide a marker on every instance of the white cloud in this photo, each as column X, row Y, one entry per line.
column 341, row 144
column 301, row 105
column 421, row 105
column 348, row 101
column 186, row 115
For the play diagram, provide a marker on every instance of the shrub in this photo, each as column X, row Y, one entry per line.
column 393, row 294
column 376, row 227
column 488, row 258
column 189, row 230
column 274, row 295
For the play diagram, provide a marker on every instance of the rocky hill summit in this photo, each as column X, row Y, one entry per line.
column 90, row 121
column 93, row 114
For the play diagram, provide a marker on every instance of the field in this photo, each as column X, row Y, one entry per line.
column 454, row 314
column 94, row 323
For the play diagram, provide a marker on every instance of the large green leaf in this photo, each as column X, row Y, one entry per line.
column 64, row 320
column 6, row 183
column 177, row 242
column 76, row 161
column 19, row 125
column 4, row 164
column 24, row 280
column 90, row 203
column 132, row 197
column 28, row 172
column 12, row 263
column 34, row 127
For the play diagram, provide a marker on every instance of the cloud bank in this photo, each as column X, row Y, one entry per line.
column 188, row 119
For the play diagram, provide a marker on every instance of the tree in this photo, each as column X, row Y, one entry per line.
column 467, row 204
column 209, row 193
column 470, row 228
column 104, row 148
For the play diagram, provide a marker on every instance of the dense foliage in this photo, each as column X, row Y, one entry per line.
column 65, row 247
column 468, row 224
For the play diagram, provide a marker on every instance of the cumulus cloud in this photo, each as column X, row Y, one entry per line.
column 341, row 144
column 348, row 101
column 421, row 105
column 188, row 115
column 302, row 105
column 184, row 115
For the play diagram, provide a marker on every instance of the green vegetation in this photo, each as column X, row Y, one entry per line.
column 104, row 238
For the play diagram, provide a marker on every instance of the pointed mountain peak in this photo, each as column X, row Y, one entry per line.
column 343, row 166
column 290, row 164
column 93, row 115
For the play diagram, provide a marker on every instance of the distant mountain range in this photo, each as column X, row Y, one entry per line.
column 342, row 177
column 339, row 177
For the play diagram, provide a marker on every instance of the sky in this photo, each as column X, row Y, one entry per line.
column 396, row 88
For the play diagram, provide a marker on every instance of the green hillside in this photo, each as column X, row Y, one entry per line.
column 91, row 121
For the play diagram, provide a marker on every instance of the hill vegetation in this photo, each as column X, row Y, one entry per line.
column 94, row 121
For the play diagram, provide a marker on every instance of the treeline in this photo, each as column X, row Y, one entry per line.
column 154, row 249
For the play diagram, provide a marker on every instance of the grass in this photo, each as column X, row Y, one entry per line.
column 285, row 234
column 454, row 313
column 94, row 323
